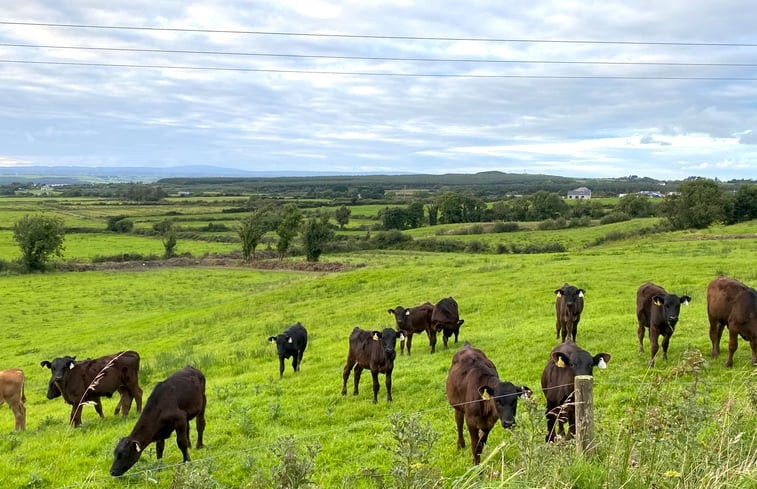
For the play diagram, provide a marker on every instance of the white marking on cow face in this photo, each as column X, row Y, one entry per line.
column 290, row 340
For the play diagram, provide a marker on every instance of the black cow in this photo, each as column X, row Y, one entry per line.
column 291, row 343
column 170, row 407
column 569, row 305
column 658, row 311
column 733, row 304
column 477, row 394
column 565, row 362
column 445, row 318
column 374, row 350
column 413, row 320
column 87, row 380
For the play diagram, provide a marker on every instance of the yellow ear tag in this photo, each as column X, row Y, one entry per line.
column 375, row 337
column 485, row 395
column 657, row 302
column 560, row 362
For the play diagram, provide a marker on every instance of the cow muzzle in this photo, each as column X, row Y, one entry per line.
column 508, row 423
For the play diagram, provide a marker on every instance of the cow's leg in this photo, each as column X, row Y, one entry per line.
column 473, row 431
column 19, row 414
column 388, row 386
column 281, row 367
column 402, row 347
column 640, row 333
column 136, row 393
column 653, row 344
column 124, row 403
column 432, row 340
column 459, row 417
column 346, row 374
column 445, row 336
column 753, row 343
column 716, row 333
column 557, row 330
column 481, row 442
column 76, row 415
column 182, row 437
column 665, row 343
column 374, row 376
column 574, row 331
column 551, row 416
column 160, row 444
column 358, row 371
column 200, row 425
column 295, row 358
column 99, row 407
column 457, row 332
column 733, row 343
column 409, row 337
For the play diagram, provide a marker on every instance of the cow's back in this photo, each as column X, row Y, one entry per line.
column 445, row 312
column 469, row 366
column 184, row 390
column 732, row 302
column 113, row 371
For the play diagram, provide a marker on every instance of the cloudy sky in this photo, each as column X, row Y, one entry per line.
column 665, row 89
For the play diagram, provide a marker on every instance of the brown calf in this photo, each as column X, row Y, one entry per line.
column 12, row 392
column 733, row 304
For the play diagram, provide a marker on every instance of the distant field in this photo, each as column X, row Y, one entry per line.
column 219, row 319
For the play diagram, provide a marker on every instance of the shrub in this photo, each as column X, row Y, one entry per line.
column 615, row 216
column 476, row 246
column 388, row 239
column 39, row 237
column 505, row 227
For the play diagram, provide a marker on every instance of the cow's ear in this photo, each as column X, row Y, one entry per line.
column 272, row 339
column 289, row 340
column 558, row 292
column 45, row 363
column 486, row 392
column 376, row 335
column 685, row 300
column 560, row 359
column 657, row 300
column 524, row 392
column 390, row 311
column 581, row 292
column 601, row 360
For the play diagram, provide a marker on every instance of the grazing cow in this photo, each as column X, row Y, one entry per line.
column 569, row 305
column 413, row 320
column 88, row 380
column 12, row 392
column 373, row 350
column 477, row 394
column 658, row 311
column 733, row 304
column 291, row 343
column 171, row 406
column 445, row 318
column 565, row 362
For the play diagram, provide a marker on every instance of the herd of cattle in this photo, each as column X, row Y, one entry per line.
column 474, row 389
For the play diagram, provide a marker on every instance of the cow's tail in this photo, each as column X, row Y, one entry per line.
column 23, row 391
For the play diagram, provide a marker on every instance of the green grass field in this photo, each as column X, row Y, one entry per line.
column 654, row 426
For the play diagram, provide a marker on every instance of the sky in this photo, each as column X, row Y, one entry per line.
column 608, row 88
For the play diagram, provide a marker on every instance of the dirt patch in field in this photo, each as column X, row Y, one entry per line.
column 213, row 261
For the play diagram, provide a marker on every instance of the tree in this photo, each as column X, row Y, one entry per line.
column 392, row 218
column 342, row 216
column 315, row 234
column 289, row 223
column 699, row 203
column 546, row 205
column 119, row 224
column 635, row 205
column 745, row 203
column 168, row 236
column 39, row 237
column 251, row 231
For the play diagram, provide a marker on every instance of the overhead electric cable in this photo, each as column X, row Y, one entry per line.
column 374, row 58
column 367, row 73
column 366, row 36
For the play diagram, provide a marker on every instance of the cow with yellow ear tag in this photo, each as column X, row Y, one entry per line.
column 658, row 311
column 565, row 362
column 375, row 351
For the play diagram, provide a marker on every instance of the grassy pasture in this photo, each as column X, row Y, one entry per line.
column 218, row 320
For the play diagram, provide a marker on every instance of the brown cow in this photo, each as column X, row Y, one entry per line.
column 445, row 318
column 565, row 362
column 569, row 305
column 733, row 304
column 658, row 311
column 88, row 380
column 477, row 394
column 12, row 392
column 374, row 350
column 170, row 407
column 413, row 320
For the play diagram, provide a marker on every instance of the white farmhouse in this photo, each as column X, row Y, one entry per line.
column 579, row 193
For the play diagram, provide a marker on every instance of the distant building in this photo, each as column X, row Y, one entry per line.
column 579, row 193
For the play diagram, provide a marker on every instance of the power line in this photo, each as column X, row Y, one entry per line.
column 376, row 58
column 384, row 74
column 366, row 36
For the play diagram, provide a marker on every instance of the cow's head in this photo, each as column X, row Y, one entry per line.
column 572, row 296
column 284, row 342
column 59, row 368
column 125, row 455
column 505, row 396
column 388, row 339
column 579, row 361
column 670, row 307
column 400, row 316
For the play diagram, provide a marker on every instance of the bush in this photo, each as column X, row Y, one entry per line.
column 505, row 227
column 615, row 216
column 39, row 237
column 476, row 246
column 440, row 245
column 388, row 239
column 547, row 224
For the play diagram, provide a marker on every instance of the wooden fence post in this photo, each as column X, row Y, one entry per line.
column 584, row 385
